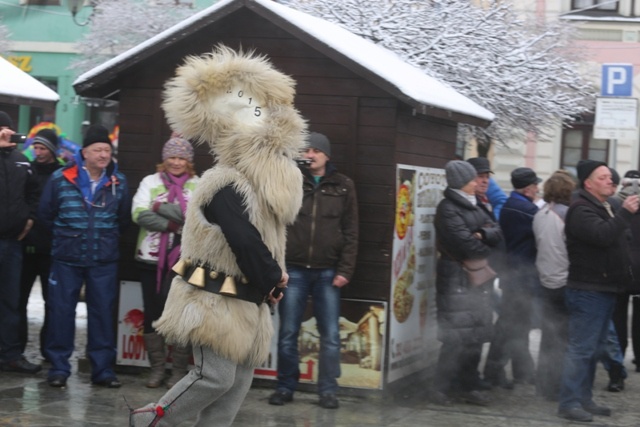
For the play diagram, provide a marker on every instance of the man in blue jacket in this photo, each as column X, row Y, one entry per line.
column 87, row 206
column 18, row 202
column 519, row 283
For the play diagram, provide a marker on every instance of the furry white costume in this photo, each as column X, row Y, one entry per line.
column 243, row 108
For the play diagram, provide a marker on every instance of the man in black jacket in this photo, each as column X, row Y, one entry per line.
column 598, row 270
column 36, row 259
column 322, row 247
column 18, row 204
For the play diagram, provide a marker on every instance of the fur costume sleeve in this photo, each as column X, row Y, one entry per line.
column 253, row 257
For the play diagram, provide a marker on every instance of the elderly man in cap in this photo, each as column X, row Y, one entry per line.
column 490, row 195
column 322, row 245
column 19, row 200
column 519, row 283
column 87, row 205
column 598, row 271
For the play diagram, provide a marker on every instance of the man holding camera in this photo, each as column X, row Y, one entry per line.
column 598, row 270
column 18, row 205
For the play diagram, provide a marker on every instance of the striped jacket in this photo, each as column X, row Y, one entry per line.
column 85, row 232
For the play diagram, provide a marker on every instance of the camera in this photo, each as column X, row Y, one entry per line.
column 634, row 183
column 18, row 138
column 303, row 162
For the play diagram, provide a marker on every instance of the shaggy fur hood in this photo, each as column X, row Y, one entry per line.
column 243, row 109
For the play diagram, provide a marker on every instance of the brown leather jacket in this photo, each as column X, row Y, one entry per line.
column 325, row 233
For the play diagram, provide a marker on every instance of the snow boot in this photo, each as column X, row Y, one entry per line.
column 157, row 359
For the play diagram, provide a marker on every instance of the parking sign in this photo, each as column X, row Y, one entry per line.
column 617, row 80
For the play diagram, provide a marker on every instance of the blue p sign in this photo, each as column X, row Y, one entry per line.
column 617, row 80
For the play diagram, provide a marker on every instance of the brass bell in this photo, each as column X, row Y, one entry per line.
column 180, row 268
column 228, row 287
column 214, row 275
column 197, row 278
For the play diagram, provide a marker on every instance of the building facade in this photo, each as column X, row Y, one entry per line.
column 609, row 33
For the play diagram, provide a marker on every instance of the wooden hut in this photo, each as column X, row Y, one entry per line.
column 377, row 110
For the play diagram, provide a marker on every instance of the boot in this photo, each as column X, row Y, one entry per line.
column 180, row 356
column 157, row 358
column 616, row 380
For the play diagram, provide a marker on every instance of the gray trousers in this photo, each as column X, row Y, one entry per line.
column 213, row 391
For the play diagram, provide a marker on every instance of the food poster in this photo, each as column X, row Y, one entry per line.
column 412, row 329
column 362, row 339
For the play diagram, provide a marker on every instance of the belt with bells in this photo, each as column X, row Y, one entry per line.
column 216, row 282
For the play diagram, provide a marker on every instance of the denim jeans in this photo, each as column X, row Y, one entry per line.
column 611, row 354
column 101, row 288
column 10, row 270
column 589, row 320
column 317, row 283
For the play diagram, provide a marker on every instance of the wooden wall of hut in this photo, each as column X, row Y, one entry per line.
column 370, row 131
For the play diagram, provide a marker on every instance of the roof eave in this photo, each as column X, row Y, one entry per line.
column 19, row 100
column 89, row 86
column 364, row 72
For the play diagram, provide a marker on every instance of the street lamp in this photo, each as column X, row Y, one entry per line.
column 74, row 6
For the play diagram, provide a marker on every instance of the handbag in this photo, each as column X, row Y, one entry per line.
column 478, row 271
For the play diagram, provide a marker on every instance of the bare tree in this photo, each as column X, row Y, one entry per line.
column 525, row 72
column 117, row 25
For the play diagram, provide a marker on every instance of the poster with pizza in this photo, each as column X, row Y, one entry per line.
column 412, row 332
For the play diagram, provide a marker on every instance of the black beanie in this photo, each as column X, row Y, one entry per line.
column 5, row 120
column 615, row 177
column 96, row 133
column 586, row 167
column 48, row 138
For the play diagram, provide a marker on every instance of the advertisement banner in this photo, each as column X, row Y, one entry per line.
column 412, row 329
column 131, row 349
column 362, row 339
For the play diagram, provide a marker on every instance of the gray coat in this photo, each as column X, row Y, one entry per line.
column 464, row 311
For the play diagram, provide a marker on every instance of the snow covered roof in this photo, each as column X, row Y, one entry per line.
column 18, row 87
column 363, row 57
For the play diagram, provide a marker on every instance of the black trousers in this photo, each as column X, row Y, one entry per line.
column 621, row 320
column 457, row 369
column 153, row 300
column 553, row 343
column 33, row 265
column 511, row 333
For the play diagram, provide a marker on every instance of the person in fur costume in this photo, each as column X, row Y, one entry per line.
column 233, row 241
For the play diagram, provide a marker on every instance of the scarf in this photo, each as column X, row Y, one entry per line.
column 174, row 185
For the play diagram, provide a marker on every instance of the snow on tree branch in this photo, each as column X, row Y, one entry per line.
column 526, row 73
column 118, row 25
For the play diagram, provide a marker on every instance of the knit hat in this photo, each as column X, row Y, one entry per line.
column 48, row 138
column 586, row 167
column 5, row 120
column 459, row 173
column 319, row 142
column 177, row 147
column 615, row 177
column 522, row 177
column 481, row 164
column 96, row 133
